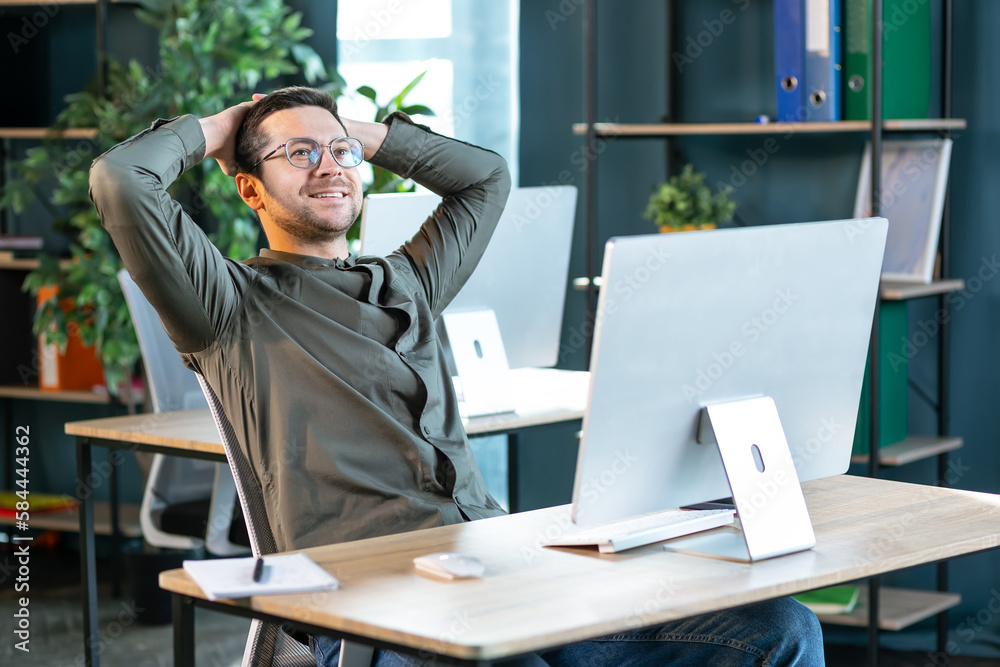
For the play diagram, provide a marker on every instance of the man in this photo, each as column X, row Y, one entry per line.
column 328, row 365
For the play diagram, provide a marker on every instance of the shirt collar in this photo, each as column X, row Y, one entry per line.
column 307, row 261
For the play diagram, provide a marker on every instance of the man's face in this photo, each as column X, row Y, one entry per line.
column 314, row 205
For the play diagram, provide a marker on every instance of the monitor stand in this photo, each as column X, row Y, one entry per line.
column 480, row 361
column 769, row 501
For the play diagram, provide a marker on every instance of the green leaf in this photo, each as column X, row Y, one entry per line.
column 208, row 41
column 368, row 92
column 312, row 65
column 398, row 102
column 292, row 22
column 417, row 110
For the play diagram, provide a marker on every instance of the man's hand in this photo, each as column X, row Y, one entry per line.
column 220, row 134
column 371, row 134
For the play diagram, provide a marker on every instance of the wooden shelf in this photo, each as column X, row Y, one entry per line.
column 914, row 448
column 924, row 124
column 69, row 520
column 900, row 291
column 26, row 264
column 679, row 129
column 898, row 608
column 30, row 3
column 36, row 394
column 44, row 132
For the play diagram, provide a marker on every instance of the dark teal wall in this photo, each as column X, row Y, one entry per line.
column 809, row 177
column 551, row 101
column 633, row 88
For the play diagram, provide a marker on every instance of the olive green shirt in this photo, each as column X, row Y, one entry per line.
column 329, row 369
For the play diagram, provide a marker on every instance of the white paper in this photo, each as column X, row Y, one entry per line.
column 233, row 577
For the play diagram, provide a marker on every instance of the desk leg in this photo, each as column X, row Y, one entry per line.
column 8, row 444
column 88, row 568
column 183, row 630
column 513, row 456
column 942, row 618
column 114, row 458
column 873, row 629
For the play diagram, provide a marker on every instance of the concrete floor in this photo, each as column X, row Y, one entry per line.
column 56, row 638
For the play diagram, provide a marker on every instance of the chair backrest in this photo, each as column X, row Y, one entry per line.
column 172, row 386
column 247, row 487
column 267, row 645
column 174, row 480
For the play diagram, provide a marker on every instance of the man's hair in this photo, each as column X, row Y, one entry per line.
column 252, row 141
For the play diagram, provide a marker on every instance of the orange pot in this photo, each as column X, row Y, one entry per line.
column 686, row 228
column 79, row 367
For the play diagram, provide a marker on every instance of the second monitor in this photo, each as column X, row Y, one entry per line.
column 522, row 276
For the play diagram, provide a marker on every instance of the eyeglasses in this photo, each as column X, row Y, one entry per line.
column 305, row 153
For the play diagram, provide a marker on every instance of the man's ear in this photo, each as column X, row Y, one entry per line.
column 250, row 189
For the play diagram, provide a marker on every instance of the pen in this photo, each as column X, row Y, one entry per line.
column 258, row 570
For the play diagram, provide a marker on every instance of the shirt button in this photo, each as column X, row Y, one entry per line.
column 402, row 355
column 427, row 430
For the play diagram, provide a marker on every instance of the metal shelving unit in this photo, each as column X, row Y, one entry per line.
column 889, row 609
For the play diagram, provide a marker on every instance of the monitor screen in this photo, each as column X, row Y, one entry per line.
column 522, row 276
column 691, row 319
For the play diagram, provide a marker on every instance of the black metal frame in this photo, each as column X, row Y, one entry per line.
column 590, row 173
column 873, row 348
column 944, row 341
column 88, row 563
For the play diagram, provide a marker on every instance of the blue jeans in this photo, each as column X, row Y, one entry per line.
column 776, row 633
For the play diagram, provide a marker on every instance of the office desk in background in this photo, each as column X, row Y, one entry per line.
column 532, row 598
column 542, row 396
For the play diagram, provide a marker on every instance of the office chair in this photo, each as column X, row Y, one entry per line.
column 187, row 503
column 268, row 645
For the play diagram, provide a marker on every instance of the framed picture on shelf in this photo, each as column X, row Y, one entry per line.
column 914, row 180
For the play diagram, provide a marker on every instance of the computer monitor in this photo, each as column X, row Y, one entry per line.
column 522, row 276
column 697, row 319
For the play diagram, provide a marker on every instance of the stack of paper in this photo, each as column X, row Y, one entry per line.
column 233, row 577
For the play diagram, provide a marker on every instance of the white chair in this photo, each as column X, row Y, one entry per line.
column 187, row 502
column 267, row 645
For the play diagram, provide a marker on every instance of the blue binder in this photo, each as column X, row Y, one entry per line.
column 822, row 60
column 789, row 59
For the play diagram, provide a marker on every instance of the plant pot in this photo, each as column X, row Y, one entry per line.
column 686, row 228
column 79, row 367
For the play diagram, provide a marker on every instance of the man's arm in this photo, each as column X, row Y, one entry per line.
column 194, row 289
column 474, row 183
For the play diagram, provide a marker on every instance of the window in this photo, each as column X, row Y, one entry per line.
column 468, row 49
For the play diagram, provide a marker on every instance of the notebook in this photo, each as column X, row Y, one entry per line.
column 233, row 577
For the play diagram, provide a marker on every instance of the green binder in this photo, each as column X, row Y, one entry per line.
column 894, row 348
column 906, row 54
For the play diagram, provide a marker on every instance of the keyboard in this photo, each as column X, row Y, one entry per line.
column 644, row 529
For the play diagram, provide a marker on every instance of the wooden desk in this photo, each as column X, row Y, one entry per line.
column 533, row 598
column 543, row 396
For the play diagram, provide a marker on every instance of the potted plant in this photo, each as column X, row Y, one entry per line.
column 212, row 55
column 686, row 203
